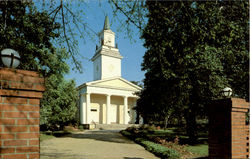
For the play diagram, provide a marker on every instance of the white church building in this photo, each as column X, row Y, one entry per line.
column 109, row 98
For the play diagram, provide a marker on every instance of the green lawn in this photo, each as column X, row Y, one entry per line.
column 45, row 137
column 201, row 149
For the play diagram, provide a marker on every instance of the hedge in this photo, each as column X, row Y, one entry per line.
column 157, row 149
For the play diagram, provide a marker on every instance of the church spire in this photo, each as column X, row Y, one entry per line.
column 106, row 23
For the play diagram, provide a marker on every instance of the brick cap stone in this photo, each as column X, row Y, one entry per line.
column 17, row 71
column 21, row 83
column 240, row 103
column 237, row 103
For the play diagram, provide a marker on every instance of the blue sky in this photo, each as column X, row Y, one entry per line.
column 132, row 50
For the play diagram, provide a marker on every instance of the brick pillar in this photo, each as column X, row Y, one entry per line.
column 248, row 140
column 20, row 94
column 227, row 129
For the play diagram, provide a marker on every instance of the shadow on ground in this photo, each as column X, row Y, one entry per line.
column 102, row 135
column 57, row 154
column 133, row 158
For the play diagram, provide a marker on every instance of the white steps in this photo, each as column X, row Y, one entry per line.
column 111, row 126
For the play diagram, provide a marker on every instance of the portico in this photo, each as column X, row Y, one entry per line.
column 101, row 112
column 107, row 105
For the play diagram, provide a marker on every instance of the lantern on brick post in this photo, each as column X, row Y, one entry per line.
column 227, row 92
column 10, row 58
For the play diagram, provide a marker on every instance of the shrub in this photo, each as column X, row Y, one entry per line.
column 126, row 133
column 149, row 128
column 80, row 127
column 142, row 127
column 158, row 149
column 130, row 129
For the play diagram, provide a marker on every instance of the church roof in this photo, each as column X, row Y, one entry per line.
column 107, row 52
column 118, row 83
column 106, row 23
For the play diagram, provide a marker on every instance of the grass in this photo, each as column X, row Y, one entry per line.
column 201, row 149
column 44, row 137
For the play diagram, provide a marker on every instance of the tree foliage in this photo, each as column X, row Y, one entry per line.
column 138, row 83
column 134, row 13
column 44, row 24
column 194, row 50
column 31, row 33
column 58, row 106
column 74, row 24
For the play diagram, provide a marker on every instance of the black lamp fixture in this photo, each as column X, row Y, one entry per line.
column 10, row 58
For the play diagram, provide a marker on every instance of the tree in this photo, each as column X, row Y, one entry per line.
column 31, row 33
column 196, row 48
column 138, row 83
column 134, row 12
column 58, row 106
column 71, row 16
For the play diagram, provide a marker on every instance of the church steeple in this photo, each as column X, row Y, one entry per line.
column 107, row 36
column 106, row 23
column 107, row 58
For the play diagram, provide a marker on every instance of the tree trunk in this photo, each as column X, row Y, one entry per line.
column 191, row 127
column 167, row 116
column 166, row 121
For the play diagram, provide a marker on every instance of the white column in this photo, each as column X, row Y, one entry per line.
column 125, row 110
column 82, row 110
column 107, row 109
column 87, row 108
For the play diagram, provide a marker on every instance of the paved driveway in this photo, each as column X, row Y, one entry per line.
column 93, row 144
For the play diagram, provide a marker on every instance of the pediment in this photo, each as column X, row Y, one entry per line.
column 118, row 83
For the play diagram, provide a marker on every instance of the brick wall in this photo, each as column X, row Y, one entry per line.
column 238, row 128
column 228, row 137
column 20, row 94
column 248, row 141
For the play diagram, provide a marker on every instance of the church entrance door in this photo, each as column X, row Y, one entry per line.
column 113, row 114
column 94, row 115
